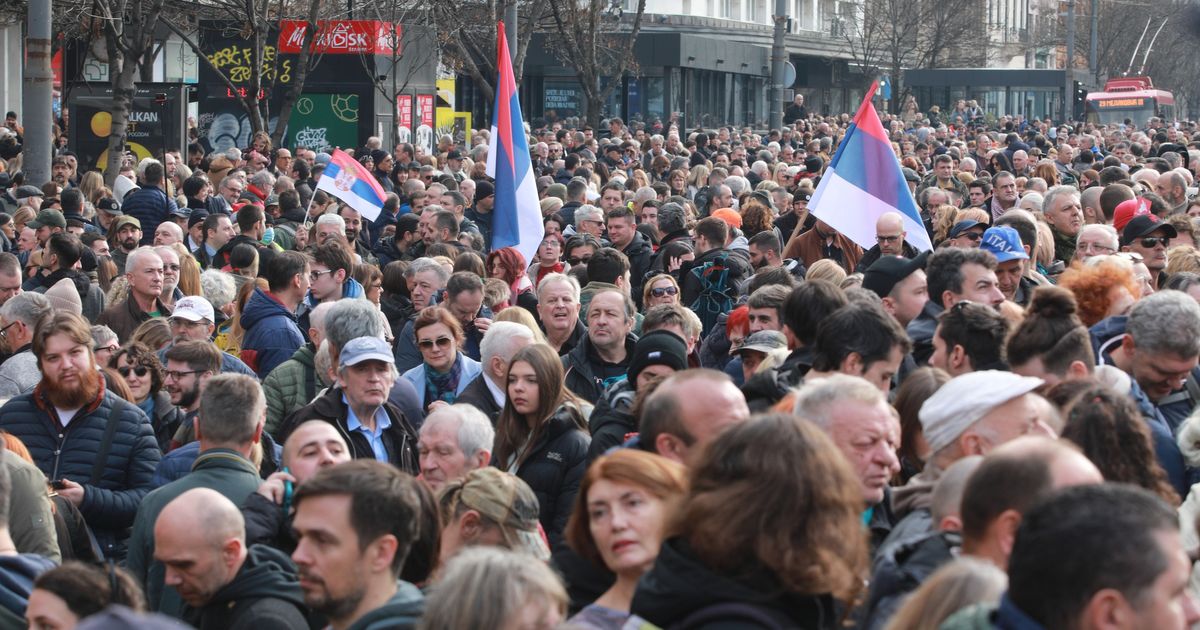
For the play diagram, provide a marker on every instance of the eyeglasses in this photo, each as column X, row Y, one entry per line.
column 175, row 375
column 1150, row 242
column 4, row 331
column 1096, row 247
column 316, row 275
column 973, row 236
column 441, row 342
column 140, row 370
column 111, row 348
column 883, row 238
column 171, row 267
column 179, row 322
column 664, row 291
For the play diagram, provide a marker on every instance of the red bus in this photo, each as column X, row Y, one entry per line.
column 1132, row 98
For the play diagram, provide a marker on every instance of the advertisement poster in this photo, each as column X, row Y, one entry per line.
column 425, row 112
column 404, row 115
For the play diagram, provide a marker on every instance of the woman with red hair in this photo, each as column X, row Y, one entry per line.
column 508, row 265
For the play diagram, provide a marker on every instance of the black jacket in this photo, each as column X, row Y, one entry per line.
column 264, row 595
column 639, row 252
column 400, row 439
column 480, row 397
column 691, row 287
column 266, row 524
column 554, row 468
column 767, row 388
column 110, row 505
column 612, row 419
column 921, row 329
column 679, row 590
column 871, row 256
column 91, row 296
column 579, row 367
column 902, row 570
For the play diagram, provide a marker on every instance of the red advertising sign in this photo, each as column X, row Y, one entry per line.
column 342, row 37
column 404, row 112
column 425, row 107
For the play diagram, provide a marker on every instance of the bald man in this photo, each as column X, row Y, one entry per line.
column 199, row 537
column 889, row 241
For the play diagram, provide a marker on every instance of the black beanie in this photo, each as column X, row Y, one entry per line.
column 658, row 347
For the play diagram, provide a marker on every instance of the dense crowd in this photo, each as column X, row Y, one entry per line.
column 233, row 401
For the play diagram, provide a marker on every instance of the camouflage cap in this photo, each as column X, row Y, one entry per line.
column 506, row 500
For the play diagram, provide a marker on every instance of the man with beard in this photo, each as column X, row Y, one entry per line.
column 229, row 425
column 190, row 365
column 145, row 272
column 354, row 229
column 98, row 450
column 123, row 237
column 356, row 524
column 60, row 259
column 193, row 319
column 200, row 538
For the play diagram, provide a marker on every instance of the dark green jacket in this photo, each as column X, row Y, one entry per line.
column 401, row 612
column 286, row 387
column 219, row 469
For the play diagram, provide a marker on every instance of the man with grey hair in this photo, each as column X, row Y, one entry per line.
column 1096, row 240
column 18, row 319
column 454, row 440
column 229, row 425
column 1172, row 187
column 1062, row 209
column 487, row 392
column 1159, row 348
column 330, row 226
column 144, row 269
column 358, row 404
column 857, row 417
column 558, row 311
column 295, row 382
column 590, row 220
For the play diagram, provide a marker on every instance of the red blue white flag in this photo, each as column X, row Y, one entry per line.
column 517, row 216
column 863, row 181
column 350, row 181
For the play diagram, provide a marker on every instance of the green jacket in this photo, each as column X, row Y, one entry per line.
column 219, row 469
column 286, row 387
column 401, row 612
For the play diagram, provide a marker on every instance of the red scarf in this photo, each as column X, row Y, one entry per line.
column 542, row 271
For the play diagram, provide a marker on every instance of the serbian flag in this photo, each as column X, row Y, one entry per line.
column 863, row 181
column 517, row 216
column 350, row 181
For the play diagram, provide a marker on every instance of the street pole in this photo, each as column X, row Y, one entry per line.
column 510, row 29
column 1093, row 55
column 779, row 58
column 1069, row 86
column 36, row 103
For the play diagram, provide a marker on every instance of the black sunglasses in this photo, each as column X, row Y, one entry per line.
column 140, row 370
column 1149, row 242
column 664, row 291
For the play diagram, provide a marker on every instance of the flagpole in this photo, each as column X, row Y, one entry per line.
column 869, row 96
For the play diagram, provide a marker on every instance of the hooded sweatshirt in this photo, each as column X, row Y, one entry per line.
column 264, row 595
column 401, row 612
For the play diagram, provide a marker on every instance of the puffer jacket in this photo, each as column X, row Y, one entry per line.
column 272, row 335
column 150, row 206
column 400, row 439
column 111, row 504
column 579, row 374
column 291, row 385
column 612, row 419
column 902, row 570
column 554, row 468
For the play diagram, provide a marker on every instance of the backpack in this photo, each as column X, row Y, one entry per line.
column 715, row 298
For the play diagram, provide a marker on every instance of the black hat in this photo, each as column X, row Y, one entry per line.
column 1145, row 225
column 484, row 189
column 884, row 274
column 27, row 191
column 963, row 226
column 110, row 206
column 183, row 212
column 453, row 154
column 198, row 216
column 658, row 347
column 414, row 166
column 5, row 180
column 378, row 155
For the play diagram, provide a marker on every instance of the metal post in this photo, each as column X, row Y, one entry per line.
column 1069, row 86
column 779, row 57
column 510, row 29
column 37, row 85
column 1093, row 55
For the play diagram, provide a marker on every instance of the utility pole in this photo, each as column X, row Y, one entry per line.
column 510, row 29
column 1093, row 55
column 779, row 57
column 1068, row 95
column 35, row 102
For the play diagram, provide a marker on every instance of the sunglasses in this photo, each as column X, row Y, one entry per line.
column 1149, row 242
column 441, row 342
column 973, row 236
column 140, row 370
column 664, row 291
column 578, row 261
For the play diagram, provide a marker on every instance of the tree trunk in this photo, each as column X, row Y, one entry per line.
column 123, row 88
column 297, row 87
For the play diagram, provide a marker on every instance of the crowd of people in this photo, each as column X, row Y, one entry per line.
column 233, row 401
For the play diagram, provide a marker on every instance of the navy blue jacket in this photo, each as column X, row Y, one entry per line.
column 110, row 506
column 271, row 332
column 150, row 206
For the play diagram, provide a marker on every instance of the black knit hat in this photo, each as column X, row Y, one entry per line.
column 658, row 347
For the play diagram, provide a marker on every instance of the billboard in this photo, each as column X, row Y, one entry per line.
column 155, row 122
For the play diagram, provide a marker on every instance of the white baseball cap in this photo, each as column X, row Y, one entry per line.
column 194, row 308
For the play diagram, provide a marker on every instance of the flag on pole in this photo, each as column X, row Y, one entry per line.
column 350, row 181
column 863, row 181
column 516, row 216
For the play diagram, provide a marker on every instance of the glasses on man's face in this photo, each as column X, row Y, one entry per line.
column 179, row 322
column 4, row 331
column 109, row 348
column 1150, row 242
column 1097, row 248
column 973, row 236
column 441, row 342
column 316, row 275
column 175, row 375
column 167, row 267
column 664, row 292
column 885, row 238
column 139, row 370
column 575, row 260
